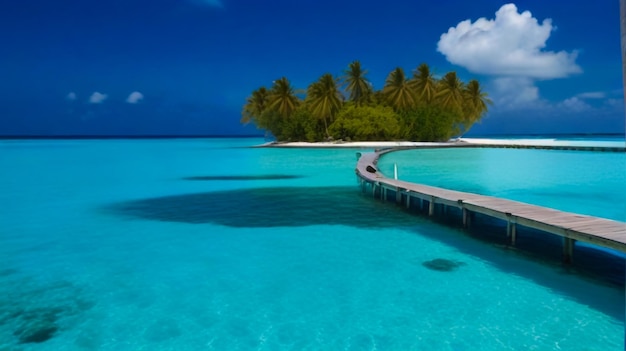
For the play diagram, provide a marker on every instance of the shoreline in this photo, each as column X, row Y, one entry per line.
column 462, row 142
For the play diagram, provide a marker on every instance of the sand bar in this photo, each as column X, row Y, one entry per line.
column 460, row 142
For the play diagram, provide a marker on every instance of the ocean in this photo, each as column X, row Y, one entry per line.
column 210, row 244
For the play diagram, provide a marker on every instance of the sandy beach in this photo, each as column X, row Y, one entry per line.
column 454, row 142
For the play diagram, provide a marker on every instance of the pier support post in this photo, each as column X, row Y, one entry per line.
column 513, row 233
column 466, row 218
column 408, row 199
column 431, row 206
column 568, row 250
column 398, row 196
column 511, row 227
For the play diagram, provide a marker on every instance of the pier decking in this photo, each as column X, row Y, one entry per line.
column 571, row 226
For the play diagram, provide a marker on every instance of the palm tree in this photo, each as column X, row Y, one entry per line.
column 397, row 91
column 324, row 99
column 450, row 92
column 476, row 102
column 282, row 98
column 424, row 84
column 356, row 84
column 255, row 105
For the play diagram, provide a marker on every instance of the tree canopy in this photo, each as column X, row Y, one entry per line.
column 420, row 108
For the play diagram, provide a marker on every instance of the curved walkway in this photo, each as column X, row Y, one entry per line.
column 570, row 226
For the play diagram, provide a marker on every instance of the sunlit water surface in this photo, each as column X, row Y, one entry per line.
column 206, row 244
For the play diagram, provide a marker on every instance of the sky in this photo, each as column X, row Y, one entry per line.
column 185, row 67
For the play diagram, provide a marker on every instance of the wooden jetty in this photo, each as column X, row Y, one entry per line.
column 571, row 226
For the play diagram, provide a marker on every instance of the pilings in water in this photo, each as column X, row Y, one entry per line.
column 570, row 226
column 568, row 249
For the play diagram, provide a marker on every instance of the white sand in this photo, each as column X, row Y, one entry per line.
column 476, row 141
column 356, row 144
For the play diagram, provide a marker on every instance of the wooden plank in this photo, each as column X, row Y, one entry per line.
column 598, row 231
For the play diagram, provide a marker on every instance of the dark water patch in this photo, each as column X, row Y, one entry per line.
column 7, row 272
column 244, row 177
column 589, row 262
column 270, row 207
column 442, row 265
column 593, row 265
column 37, row 326
column 34, row 312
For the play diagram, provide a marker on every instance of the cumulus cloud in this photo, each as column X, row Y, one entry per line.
column 574, row 104
column 97, row 98
column 510, row 45
column 514, row 92
column 71, row 96
column 134, row 97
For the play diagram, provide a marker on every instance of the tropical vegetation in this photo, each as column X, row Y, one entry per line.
column 421, row 107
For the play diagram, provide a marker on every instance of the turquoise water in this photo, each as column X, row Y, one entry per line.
column 211, row 245
column 592, row 183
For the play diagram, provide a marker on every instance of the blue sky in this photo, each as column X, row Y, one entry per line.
column 181, row 67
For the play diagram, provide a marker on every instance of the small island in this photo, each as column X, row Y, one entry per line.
column 419, row 108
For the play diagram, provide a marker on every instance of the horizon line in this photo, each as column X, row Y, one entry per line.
column 224, row 136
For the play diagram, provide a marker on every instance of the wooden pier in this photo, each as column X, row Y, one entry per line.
column 571, row 226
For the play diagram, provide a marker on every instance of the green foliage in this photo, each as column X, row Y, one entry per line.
column 366, row 123
column 430, row 123
column 418, row 108
column 255, row 105
column 324, row 99
column 282, row 98
column 302, row 126
column 424, row 84
column 398, row 92
column 356, row 85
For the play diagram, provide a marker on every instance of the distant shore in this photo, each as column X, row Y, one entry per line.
column 459, row 142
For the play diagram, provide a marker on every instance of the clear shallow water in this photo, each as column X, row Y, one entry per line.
column 592, row 183
column 207, row 244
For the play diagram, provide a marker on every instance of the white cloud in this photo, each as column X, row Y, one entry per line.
column 71, row 96
column 574, row 104
column 510, row 45
column 514, row 92
column 592, row 95
column 97, row 98
column 134, row 97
